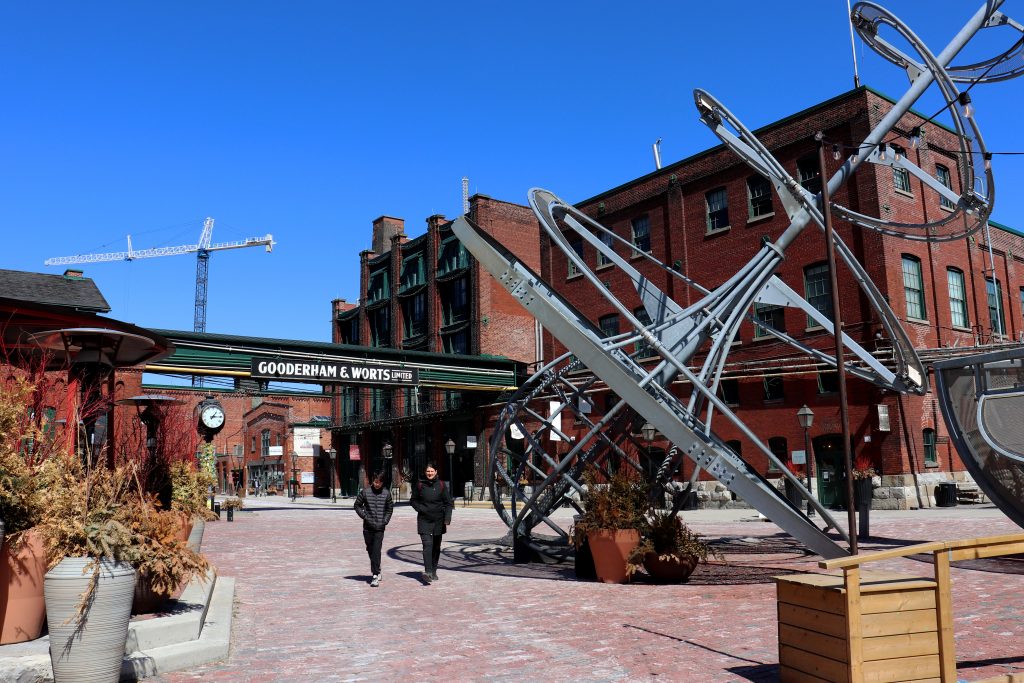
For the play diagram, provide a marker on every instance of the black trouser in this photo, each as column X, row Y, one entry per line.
column 374, row 540
column 431, row 551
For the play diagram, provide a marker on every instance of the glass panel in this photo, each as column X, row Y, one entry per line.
column 718, row 209
column 957, row 298
column 809, row 174
column 772, row 316
column 452, row 256
column 913, row 288
column 609, row 240
column 942, row 173
column 577, row 246
column 928, row 439
column 817, row 290
column 994, row 293
column 641, row 228
column 759, row 191
column 609, row 325
column 773, row 389
column 412, row 271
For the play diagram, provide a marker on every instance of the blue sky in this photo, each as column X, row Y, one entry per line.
column 309, row 119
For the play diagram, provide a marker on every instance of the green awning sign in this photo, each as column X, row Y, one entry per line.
column 327, row 372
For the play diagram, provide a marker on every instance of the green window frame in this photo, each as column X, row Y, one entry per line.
column 931, row 456
column 957, row 298
column 994, row 296
column 913, row 287
column 818, row 290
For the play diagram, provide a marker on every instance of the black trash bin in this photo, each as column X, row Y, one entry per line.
column 945, row 494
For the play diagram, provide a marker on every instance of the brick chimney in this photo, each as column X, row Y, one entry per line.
column 384, row 229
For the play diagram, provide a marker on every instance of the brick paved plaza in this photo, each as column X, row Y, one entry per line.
column 305, row 612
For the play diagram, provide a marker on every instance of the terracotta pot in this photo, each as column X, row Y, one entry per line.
column 185, row 526
column 22, row 606
column 669, row 571
column 610, row 548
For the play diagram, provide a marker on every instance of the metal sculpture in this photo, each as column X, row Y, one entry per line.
column 982, row 401
column 675, row 333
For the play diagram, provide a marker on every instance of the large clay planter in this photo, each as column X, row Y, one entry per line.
column 22, row 608
column 669, row 571
column 89, row 648
column 610, row 548
column 195, row 538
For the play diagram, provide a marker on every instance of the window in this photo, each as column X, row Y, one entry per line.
column 808, row 172
column 414, row 316
column 828, row 382
column 729, row 391
column 412, row 271
column 348, row 329
column 576, row 244
column 759, row 196
column 350, row 401
column 609, row 241
column 957, row 298
column 253, row 449
column 995, row 306
column 735, row 446
column 455, row 302
column 381, row 403
column 928, row 440
column 452, row 256
column 265, row 442
column 718, row 209
column 773, row 389
column 780, row 449
column 913, row 288
column 942, row 174
column 771, row 316
column 609, row 325
column 641, row 230
column 643, row 349
column 457, row 343
column 900, row 176
column 817, row 290
column 380, row 326
column 378, row 288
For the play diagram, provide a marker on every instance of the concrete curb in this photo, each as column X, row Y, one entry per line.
column 200, row 633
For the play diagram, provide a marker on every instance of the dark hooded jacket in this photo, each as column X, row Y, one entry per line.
column 374, row 508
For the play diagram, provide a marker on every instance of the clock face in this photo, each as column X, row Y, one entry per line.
column 212, row 417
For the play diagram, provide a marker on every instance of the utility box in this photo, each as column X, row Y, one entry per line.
column 887, row 632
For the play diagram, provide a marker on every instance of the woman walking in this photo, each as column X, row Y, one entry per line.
column 433, row 504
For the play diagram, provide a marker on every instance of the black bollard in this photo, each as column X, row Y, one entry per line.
column 216, row 508
column 231, row 514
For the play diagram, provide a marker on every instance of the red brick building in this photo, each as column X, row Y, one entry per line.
column 708, row 214
column 427, row 294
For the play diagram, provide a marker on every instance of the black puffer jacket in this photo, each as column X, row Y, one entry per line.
column 374, row 507
column 433, row 502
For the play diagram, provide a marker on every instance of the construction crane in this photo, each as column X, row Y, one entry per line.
column 201, row 249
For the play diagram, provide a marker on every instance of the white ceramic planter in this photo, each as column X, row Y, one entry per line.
column 88, row 649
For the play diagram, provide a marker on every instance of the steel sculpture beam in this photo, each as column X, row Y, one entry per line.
column 675, row 334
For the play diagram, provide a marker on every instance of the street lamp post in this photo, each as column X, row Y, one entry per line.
column 334, row 457
column 806, row 418
column 649, row 432
column 295, row 483
column 387, row 451
column 449, row 448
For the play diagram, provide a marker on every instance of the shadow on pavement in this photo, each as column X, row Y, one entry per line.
column 747, row 560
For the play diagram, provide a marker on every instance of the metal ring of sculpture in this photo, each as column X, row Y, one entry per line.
column 675, row 334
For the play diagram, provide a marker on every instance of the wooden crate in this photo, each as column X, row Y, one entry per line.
column 887, row 632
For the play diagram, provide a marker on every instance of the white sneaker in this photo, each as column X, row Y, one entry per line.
column 376, row 581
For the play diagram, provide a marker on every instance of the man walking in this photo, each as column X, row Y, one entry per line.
column 374, row 506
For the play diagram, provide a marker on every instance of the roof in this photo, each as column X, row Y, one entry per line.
column 77, row 293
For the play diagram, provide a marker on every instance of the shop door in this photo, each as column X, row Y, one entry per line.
column 828, row 458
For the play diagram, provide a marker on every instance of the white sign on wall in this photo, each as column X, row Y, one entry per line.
column 798, row 457
column 276, row 450
column 307, row 440
column 307, row 478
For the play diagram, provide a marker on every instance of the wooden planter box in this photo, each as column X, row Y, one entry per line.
column 887, row 632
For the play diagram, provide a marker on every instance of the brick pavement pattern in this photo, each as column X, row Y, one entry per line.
column 305, row 612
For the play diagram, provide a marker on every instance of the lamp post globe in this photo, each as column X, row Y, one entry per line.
column 449, row 448
column 334, row 456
